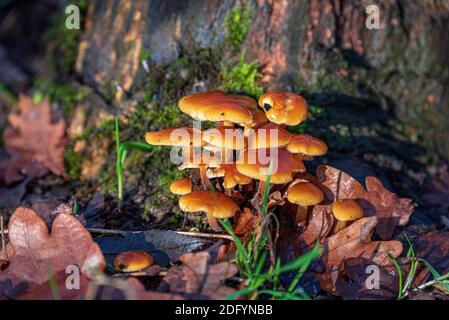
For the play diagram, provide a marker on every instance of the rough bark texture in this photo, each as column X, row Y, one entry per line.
column 318, row 47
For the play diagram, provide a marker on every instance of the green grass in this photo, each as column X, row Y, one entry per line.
column 122, row 150
column 252, row 262
column 406, row 280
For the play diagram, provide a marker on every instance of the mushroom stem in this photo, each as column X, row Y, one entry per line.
column 339, row 225
column 228, row 192
column 257, row 200
column 213, row 222
column 301, row 216
column 246, row 131
column 203, row 176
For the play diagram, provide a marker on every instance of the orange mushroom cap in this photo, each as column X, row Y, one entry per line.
column 212, row 202
column 308, row 145
column 218, row 106
column 195, row 158
column 284, row 107
column 305, row 194
column 267, row 136
column 253, row 164
column 225, row 137
column 231, row 176
column 181, row 186
column 182, row 136
column 132, row 261
column 347, row 210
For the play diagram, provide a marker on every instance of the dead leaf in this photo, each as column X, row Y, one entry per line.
column 48, row 209
column 100, row 288
column 33, row 137
column 33, row 252
column 338, row 184
column 354, row 281
column 198, row 279
column 390, row 210
column 434, row 248
column 320, row 224
column 353, row 242
column 20, row 166
column 245, row 222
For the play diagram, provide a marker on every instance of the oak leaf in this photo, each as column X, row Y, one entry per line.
column 33, row 252
column 34, row 141
column 198, row 279
column 389, row 208
column 361, row 279
column 352, row 242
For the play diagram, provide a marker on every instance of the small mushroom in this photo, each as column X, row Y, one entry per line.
column 132, row 261
column 284, row 165
column 307, row 145
column 304, row 194
column 231, row 176
column 284, row 107
column 181, row 186
column 201, row 161
column 215, row 204
column 345, row 210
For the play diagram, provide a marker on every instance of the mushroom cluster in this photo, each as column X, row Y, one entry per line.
column 231, row 162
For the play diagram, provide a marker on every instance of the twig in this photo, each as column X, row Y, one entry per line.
column 185, row 233
column 205, row 235
column 433, row 282
column 110, row 231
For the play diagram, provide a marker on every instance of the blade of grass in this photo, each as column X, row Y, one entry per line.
column 309, row 257
column 119, row 168
column 399, row 270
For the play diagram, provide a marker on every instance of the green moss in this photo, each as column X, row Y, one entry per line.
column 73, row 162
column 145, row 54
column 66, row 94
column 169, row 116
column 237, row 23
column 242, row 77
column 65, row 41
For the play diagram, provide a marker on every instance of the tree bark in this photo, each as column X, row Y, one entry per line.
column 319, row 47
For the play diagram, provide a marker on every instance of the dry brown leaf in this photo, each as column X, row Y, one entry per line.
column 338, row 184
column 33, row 252
column 352, row 242
column 353, row 282
column 33, row 137
column 320, row 224
column 434, row 248
column 21, row 165
column 390, row 210
column 105, row 289
column 245, row 222
column 198, row 279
